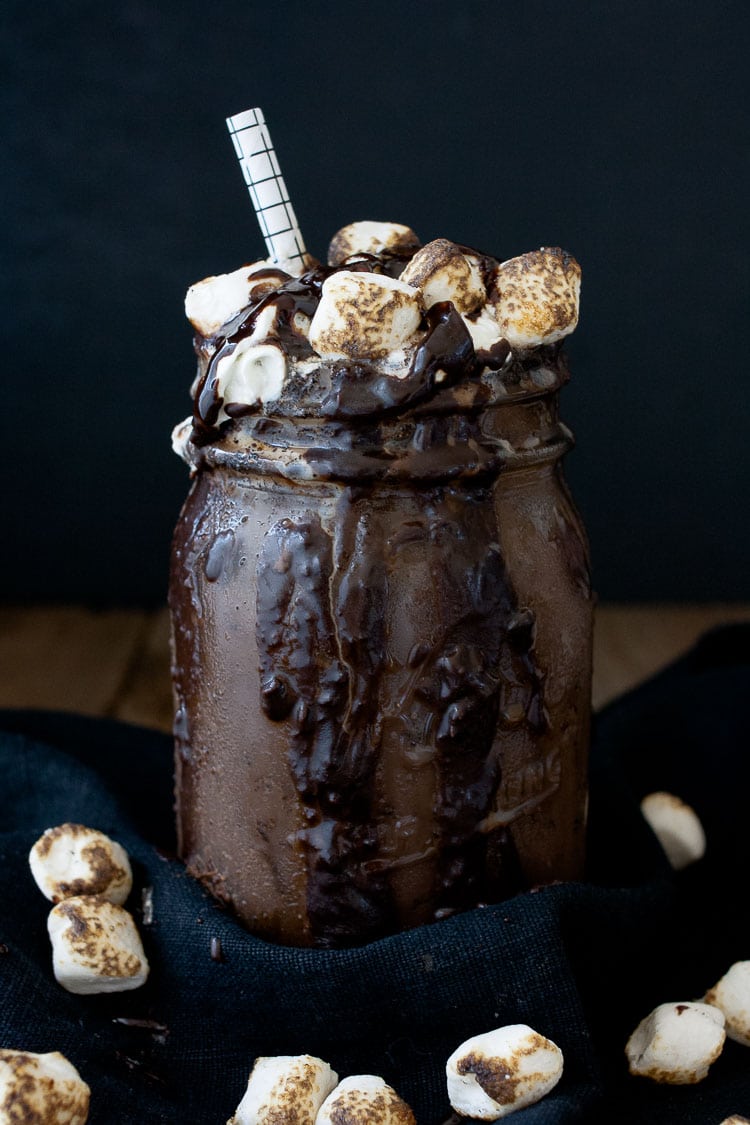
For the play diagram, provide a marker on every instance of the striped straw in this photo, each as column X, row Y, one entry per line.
column 265, row 183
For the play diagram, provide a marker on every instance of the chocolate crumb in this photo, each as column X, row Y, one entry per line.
column 4, row 948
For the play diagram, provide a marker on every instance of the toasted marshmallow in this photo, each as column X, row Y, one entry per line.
column 494, row 1074
column 677, row 828
column 285, row 1088
column 74, row 860
column 370, row 238
column 363, row 315
column 95, row 946
column 442, row 273
column 253, row 373
column 41, row 1088
column 735, row 1119
column 538, row 297
column 364, row 1099
column 732, row 997
column 212, row 302
column 676, row 1043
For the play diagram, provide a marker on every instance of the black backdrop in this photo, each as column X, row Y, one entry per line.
column 615, row 129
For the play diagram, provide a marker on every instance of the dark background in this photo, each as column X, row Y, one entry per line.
column 617, row 130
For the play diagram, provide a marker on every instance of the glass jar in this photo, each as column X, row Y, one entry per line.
column 382, row 661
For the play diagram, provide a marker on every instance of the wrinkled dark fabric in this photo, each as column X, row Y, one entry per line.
column 582, row 963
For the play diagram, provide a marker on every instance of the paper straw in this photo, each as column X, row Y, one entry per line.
column 267, row 189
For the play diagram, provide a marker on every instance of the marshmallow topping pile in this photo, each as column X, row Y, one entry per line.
column 380, row 301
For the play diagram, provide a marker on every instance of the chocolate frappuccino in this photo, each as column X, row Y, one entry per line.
column 380, row 592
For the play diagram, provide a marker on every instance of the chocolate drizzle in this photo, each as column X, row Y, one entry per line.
column 317, row 674
column 323, row 615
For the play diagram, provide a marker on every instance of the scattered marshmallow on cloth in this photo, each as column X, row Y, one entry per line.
column 95, row 946
column 494, row 1074
column 676, row 1043
column 732, row 996
column 41, row 1090
column 285, row 1088
column 364, row 1099
column 74, row 860
column 676, row 827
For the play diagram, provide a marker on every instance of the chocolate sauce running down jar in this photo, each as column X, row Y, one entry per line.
column 382, row 659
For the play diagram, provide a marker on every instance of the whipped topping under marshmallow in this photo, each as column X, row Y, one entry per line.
column 95, row 946
column 212, row 302
column 363, row 316
column 443, row 273
column 676, row 1043
column 285, row 1088
column 538, row 297
column 364, row 1099
column 41, row 1088
column 493, row 1074
column 368, row 237
column 253, row 373
column 731, row 995
column 74, row 860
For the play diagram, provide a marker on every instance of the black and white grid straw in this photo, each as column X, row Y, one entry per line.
column 267, row 188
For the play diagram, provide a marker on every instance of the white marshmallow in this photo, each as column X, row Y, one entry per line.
column 363, row 315
column 181, row 437
column 285, row 1088
column 74, row 860
column 538, row 298
column 735, row 1119
column 677, row 828
column 212, row 302
column 442, row 273
column 41, row 1088
column 676, row 1043
column 364, row 1099
column 95, row 946
column 483, row 329
column 494, row 1074
column 732, row 997
column 370, row 238
column 253, row 373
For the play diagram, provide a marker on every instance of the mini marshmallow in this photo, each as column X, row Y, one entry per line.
column 364, row 1099
column 677, row 828
column 732, row 997
column 735, row 1119
column 442, row 273
column 41, row 1088
column 538, row 297
column 363, row 315
column 676, row 1043
column 74, row 860
column 494, row 1074
column 285, row 1088
column 370, row 238
column 95, row 946
column 212, row 302
column 252, row 374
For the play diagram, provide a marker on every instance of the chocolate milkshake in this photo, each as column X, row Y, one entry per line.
column 380, row 591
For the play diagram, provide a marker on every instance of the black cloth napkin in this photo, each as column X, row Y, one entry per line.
column 581, row 963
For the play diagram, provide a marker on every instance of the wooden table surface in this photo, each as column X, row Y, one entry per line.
column 116, row 662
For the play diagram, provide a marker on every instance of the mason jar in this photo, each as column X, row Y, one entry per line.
column 381, row 635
